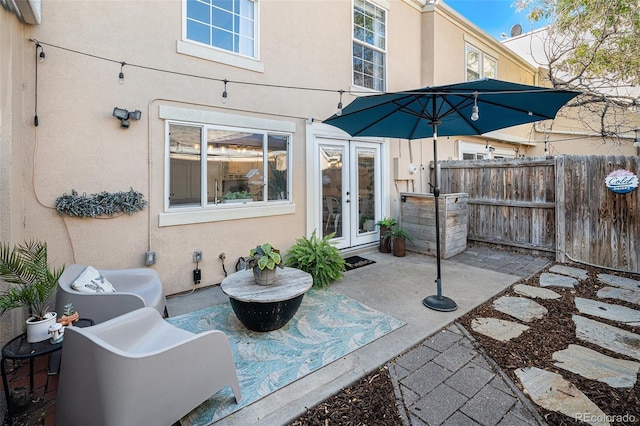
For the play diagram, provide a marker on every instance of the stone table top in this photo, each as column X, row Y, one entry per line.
column 290, row 283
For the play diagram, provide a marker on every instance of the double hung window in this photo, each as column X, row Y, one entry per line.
column 369, row 45
column 218, row 167
column 479, row 64
column 225, row 24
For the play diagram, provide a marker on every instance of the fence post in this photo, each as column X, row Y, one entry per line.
column 561, row 235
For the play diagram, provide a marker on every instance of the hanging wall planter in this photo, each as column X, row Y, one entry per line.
column 103, row 203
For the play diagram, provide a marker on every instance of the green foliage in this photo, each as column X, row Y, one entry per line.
column 317, row 256
column 400, row 232
column 104, row 203
column 387, row 222
column 264, row 256
column 34, row 281
column 238, row 195
column 68, row 309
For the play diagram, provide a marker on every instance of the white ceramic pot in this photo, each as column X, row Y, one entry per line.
column 38, row 331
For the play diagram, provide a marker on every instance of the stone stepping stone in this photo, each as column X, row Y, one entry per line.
column 608, row 311
column 608, row 337
column 621, row 282
column 552, row 392
column 619, row 294
column 498, row 329
column 535, row 292
column 617, row 373
column 577, row 273
column 520, row 307
column 555, row 280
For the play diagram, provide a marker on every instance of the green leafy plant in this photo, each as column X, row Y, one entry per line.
column 387, row 222
column 104, row 203
column 35, row 282
column 238, row 195
column 400, row 232
column 264, row 256
column 317, row 256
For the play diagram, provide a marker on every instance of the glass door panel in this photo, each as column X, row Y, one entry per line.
column 331, row 166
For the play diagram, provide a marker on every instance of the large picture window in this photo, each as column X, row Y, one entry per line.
column 369, row 45
column 226, row 24
column 215, row 166
column 479, row 64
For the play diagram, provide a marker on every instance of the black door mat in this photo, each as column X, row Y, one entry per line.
column 355, row 262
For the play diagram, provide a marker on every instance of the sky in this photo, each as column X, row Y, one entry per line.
column 493, row 16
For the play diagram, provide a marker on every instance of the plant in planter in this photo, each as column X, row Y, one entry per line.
column 263, row 260
column 237, row 197
column 385, row 238
column 398, row 240
column 318, row 257
column 69, row 315
column 35, row 284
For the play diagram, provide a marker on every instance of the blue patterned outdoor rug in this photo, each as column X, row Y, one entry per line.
column 326, row 327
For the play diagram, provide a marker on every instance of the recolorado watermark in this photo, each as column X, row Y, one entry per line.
column 609, row 418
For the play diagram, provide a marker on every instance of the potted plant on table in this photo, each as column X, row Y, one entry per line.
column 34, row 283
column 399, row 237
column 263, row 260
column 385, row 239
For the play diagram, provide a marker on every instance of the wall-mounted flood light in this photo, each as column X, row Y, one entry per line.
column 124, row 116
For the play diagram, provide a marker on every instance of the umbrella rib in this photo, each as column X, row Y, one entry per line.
column 376, row 121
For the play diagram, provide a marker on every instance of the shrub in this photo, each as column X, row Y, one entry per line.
column 317, row 256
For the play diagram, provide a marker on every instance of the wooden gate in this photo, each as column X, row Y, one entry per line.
column 511, row 202
column 559, row 205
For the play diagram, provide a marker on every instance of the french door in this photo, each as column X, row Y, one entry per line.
column 350, row 191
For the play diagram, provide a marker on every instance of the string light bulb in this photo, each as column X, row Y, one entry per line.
column 42, row 55
column 225, row 95
column 121, row 75
column 474, row 111
column 339, row 112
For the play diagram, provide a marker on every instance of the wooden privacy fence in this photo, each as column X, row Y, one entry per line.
column 558, row 205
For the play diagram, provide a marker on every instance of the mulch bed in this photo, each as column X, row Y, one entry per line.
column 371, row 401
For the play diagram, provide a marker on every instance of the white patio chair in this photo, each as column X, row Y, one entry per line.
column 137, row 369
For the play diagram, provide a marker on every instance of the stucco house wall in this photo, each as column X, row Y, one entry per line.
column 78, row 145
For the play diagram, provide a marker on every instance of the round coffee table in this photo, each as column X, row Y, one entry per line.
column 266, row 307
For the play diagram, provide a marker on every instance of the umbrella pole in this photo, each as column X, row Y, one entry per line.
column 438, row 302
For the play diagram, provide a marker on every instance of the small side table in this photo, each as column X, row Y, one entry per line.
column 19, row 348
column 266, row 307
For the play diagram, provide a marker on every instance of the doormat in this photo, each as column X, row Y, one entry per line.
column 326, row 327
column 355, row 262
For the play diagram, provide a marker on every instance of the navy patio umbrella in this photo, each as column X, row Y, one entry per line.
column 469, row 108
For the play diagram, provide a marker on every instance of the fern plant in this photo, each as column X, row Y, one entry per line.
column 35, row 282
column 317, row 256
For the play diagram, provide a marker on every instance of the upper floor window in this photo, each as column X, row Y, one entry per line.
column 369, row 45
column 215, row 165
column 226, row 24
column 479, row 64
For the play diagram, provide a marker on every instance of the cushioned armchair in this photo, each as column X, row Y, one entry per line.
column 137, row 369
column 134, row 288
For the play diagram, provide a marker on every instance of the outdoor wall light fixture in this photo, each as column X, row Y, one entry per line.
column 124, row 116
column 474, row 110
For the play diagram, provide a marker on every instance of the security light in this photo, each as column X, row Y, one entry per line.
column 124, row 116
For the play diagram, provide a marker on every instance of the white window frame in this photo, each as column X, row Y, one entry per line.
column 216, row 54
column 181, row 215
column 481, row 62
column 383, row 51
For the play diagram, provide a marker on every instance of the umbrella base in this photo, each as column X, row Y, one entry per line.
column 440, row 303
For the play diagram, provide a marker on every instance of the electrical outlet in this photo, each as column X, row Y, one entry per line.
column 197, row 276
column 197, row 256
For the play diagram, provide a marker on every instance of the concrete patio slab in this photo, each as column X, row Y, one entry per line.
column 395, row 286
